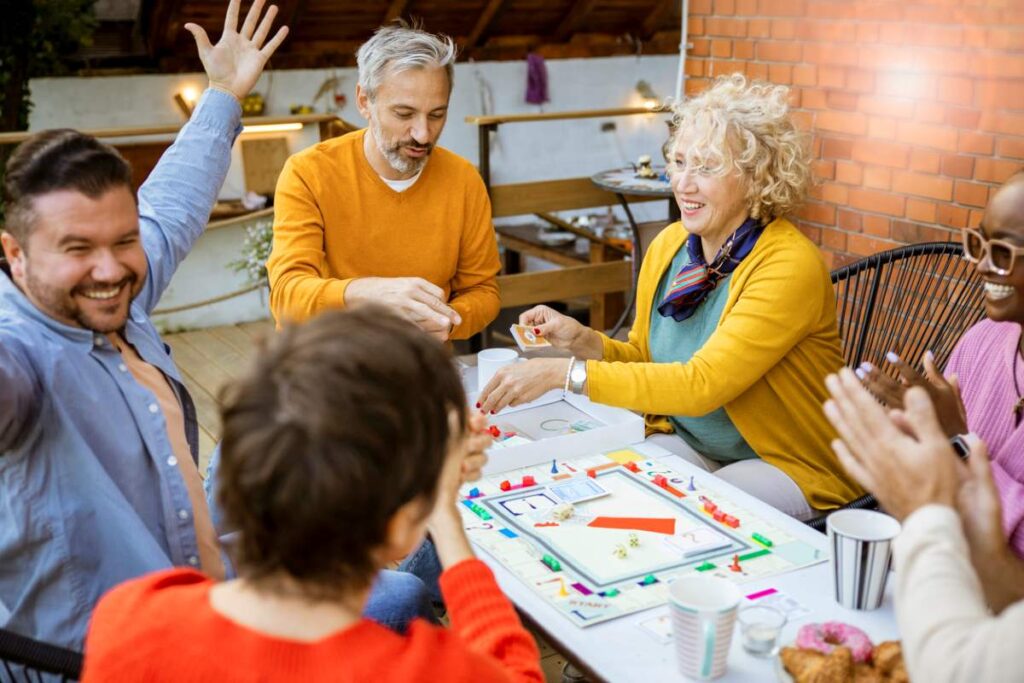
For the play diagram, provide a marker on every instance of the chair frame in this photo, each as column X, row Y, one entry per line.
column 34, row 656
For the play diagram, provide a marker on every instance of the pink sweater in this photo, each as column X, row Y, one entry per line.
column 984, row 362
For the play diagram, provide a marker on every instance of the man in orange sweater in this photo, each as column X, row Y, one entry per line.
column 383, row 215
column 321, row 505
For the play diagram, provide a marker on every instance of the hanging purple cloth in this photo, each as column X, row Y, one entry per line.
column 536, row 79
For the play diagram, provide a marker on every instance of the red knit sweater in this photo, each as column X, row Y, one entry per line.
column 161, row 627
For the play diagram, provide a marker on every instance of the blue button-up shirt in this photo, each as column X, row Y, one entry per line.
column 90, row 491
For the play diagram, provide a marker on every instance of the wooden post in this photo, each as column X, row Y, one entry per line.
column 605, row 309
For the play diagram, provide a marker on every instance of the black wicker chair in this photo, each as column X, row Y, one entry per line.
column 24, row 660
column 909, row 300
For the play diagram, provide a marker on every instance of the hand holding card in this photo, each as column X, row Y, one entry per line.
column 527, row 339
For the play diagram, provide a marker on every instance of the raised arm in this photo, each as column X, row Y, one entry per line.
column 176, row 200
column 474, row 288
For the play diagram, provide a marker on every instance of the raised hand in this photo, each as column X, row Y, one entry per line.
column 945, row 394
column 235, row 63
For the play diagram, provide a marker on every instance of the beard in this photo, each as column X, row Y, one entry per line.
column 392, row 150
column 61, row 304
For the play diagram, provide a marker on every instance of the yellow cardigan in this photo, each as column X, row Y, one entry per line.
column 765, row 363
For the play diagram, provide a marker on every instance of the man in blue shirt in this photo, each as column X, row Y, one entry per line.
column 98, row 435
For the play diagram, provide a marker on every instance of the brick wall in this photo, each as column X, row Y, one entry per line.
column 916, row 107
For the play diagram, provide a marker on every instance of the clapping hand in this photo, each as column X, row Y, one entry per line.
column 945, row 394
column 235, row 63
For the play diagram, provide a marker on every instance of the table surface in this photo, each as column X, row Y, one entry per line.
column 625, row 181
column 620, row 650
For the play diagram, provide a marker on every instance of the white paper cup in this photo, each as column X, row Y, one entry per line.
column 703, row 617
column 861, row 545
column 489, row 361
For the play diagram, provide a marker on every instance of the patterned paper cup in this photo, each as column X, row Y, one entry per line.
column 861, row 546
column 703, row 617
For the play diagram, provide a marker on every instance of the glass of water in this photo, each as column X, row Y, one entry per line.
column 760, row 626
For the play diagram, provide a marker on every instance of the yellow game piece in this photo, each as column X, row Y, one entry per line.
column 563, row 591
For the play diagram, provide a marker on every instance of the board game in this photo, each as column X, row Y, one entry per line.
column 603, row 536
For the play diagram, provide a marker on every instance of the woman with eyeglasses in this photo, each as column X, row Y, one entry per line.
column 735, row 327
column 983, row 387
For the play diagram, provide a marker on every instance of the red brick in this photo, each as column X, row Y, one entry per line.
column 725, row 7
column 852, row 123
column 865, row 246
column 832, row 53
column 878, row 202
column 759, row 28
column 828, row 9
column 860, row 80
column 833, row 148
column 1011, row 147
column 849, row 220
column 717, row 26
column 930, row 14
column 780, row 73
column 925, row 161
column 876, row 226
column 880, row 153
column 887, row 106
column 777, row 51
column 701, row 48
column 927, row 112
column 831, row 76
column 937, row 36
column 951, row 216
column 743, row 49
column 917, row 86
column 721, row 48
column 1002, row 122
column 803, row 120
column 824, row 214
column 956, row 90
column 895, row 34
column 783, row 29
column 957, row 166
column 839, row 99
column 695, row 26
column 920, row 210
column 927, row 135
column 700, row 6
column 825, row 32
column 746, row 8
column 922, row 185
column 877, row 177
column 1006, row 39
column 794, row 93
column 781, row 8
column 824, row 170
column 995, row 170
column 722, row 67
column 695, row 67
column 805, row 74
column 882, row 11
column 1002, row 65
column 963, row 118
column 814, row 99
column 974, row 219
column 849, row 173
column 972, row 194
column 975, row 143
column 833, row 239
column 867, row 32
column 756, row 70
column 881, row 128
column 975, row 36
column 695, row 86
column 835, row 193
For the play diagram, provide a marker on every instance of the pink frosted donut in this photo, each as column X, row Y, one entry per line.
column 825, row 637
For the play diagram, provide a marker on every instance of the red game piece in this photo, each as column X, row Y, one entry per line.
column 528, row 480
column 735, row 566
column 660, row 480
column 729, row 520
column 632, row 467
column 592, row 473
column 719, row 516
column 709, row 506
column 505, row 485
column 494, row 431
column 509, row 435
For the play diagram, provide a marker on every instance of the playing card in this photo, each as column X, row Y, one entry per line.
column 527, row 339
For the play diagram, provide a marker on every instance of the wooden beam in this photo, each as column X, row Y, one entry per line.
column 563, row 115
column 576, row 14
column 544, row 196
column 655, row 17
column 482, row 23
column 524, row 289
column 395, row 10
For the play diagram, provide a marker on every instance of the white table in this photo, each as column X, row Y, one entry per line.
column 620, row 650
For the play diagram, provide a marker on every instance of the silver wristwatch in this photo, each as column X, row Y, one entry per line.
column 578, row 377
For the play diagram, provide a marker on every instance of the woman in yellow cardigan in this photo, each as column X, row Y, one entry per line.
column 735, row 325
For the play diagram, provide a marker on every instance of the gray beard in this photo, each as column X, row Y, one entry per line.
column 394, row 156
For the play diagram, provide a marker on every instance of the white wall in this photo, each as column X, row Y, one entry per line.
column 521, row 152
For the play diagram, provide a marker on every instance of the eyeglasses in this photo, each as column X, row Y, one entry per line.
column 1001, row 254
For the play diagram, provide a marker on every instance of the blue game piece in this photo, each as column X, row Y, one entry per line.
column 554, row 467
column 691, row 487
column 474, row 493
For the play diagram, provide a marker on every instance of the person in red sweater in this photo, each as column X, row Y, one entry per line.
column 345, row 442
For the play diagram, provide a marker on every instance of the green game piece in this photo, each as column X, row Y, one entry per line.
column 763, row 540
column 480, row 512
column 611, row 593
column 707, row 566
column 756, row 553
column 552, row 564
column 649, row 579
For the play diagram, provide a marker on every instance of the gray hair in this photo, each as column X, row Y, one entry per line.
column 398, row 48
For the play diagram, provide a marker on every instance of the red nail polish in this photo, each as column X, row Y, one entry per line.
column 492, row 412
column 536, row 330
column 478, row 404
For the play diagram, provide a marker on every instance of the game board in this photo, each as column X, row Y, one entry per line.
column 638, row 525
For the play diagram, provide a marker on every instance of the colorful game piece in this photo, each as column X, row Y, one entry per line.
column 610, row 593
column 529, row 481
column 477, row 510
column 474, row 493
column 661, row 480
column 707, row 566
column 552, row 564
column 729, row 520
column 649, row 579
column 718, row 515
column 691, row 487
column 509, row 435
column 766, row 542
column 592, row 473
column 756, row 553
column 620, row 552
column 735, row 566
column 583, row 590
column 554, row 467
column 631, row 466
column 505, row 485
column 562, row 591
column 563, row 511
column 494, row 431
column 634, row 541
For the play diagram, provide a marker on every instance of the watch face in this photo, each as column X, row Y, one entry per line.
column 579, row 373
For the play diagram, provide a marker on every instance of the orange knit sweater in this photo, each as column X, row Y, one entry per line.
column 162, row 628
column 336, row 220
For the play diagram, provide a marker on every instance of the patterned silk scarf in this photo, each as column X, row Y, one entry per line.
column 696, row 279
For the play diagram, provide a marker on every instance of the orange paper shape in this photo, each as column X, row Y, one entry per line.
column 659, row 525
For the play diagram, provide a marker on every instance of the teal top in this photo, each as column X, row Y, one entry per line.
column 713, row 435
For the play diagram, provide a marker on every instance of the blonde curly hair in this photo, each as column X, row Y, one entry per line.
column 745, row 127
